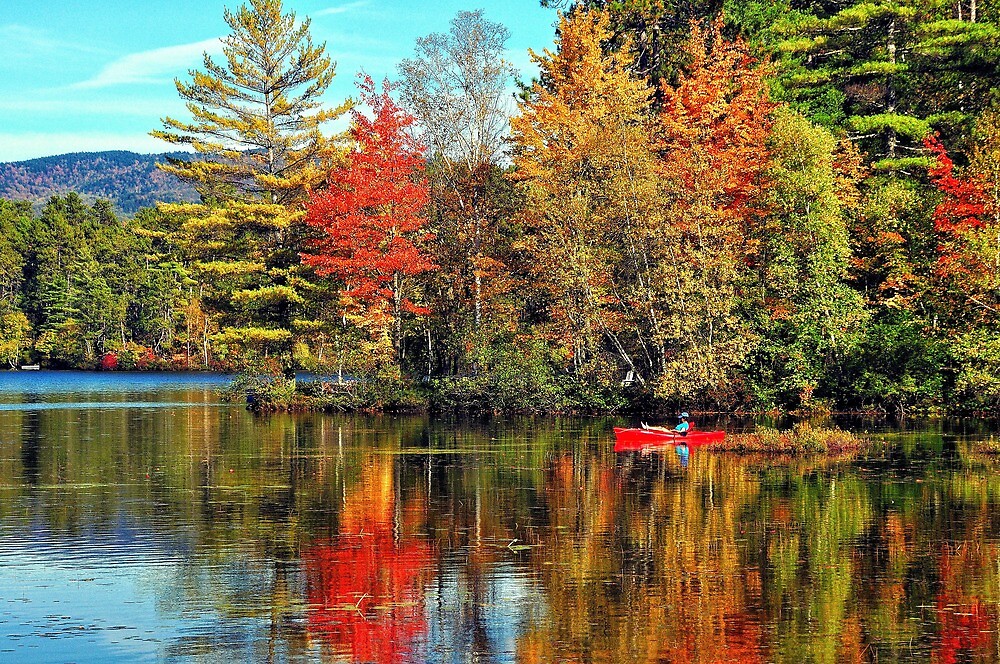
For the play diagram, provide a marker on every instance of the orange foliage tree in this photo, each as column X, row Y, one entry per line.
column 641, row 221
column 370, row 220
column 712, row 132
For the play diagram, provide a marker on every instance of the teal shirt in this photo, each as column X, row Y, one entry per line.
column 682, row 427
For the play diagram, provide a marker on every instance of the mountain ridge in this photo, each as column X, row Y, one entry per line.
column 129, row 179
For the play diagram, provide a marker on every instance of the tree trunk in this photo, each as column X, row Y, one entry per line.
column 204, row 341
column 429, row 353
column 479, row 300
column 892, row 139
column 397, row 297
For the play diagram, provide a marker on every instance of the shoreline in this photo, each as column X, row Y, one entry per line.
column 419, row 398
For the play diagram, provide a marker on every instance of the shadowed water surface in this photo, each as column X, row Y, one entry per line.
column 160, row 525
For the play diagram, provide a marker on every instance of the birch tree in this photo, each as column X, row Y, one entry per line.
column 459, row 87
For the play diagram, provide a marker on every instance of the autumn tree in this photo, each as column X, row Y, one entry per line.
column 583, row 153
column 713, row 128
column 257, row 118
column 371, row 219
column 643, row 220
column 457, row 85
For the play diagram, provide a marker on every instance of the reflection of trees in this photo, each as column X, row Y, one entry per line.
column 365, row 585
column 644, row 563
column 809, row 571
column 356, row 535
column 966, row 612
column 752, row 560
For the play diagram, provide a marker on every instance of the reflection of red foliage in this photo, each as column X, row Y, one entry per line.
column 966, row 624
column 743, row 638
column 366, row 592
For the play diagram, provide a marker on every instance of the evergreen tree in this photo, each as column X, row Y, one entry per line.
column 246, row 278
column 257, row 123
column 256, row 119
column 15, row 220
column 889, row 72
column 15, row 329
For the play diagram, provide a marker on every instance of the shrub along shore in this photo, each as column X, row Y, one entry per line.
column 469, row 394
column 802, row 438
column 269, row 394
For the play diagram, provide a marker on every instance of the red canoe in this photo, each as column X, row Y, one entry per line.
column 627, row 440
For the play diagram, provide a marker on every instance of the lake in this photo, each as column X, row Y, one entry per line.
column 143, row 520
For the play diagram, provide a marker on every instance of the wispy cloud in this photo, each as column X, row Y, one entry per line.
column 341, row 9
column 21, row 42
column 154, row 66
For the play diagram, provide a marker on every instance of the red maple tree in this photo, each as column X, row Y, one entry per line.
column 964, row 199
column 962, row 207
column 713, row 129
column 370, row 217
column 958, row 219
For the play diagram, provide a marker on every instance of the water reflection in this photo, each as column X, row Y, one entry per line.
column 203, row 533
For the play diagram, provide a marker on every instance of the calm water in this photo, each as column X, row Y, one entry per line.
column 142, row 520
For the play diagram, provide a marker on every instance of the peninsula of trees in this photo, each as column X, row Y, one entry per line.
column 770, row 205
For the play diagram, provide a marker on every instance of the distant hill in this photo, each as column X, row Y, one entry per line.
column 129, row 179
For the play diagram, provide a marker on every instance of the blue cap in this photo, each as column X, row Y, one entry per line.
column 684, row 416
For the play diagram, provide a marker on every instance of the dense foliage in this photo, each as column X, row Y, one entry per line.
column 773, row 205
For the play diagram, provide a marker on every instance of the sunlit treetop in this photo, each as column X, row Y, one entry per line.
column 256, row 119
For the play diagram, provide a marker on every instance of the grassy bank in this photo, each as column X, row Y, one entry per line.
column 803, row 438
column 484, row 394
column 990, row 446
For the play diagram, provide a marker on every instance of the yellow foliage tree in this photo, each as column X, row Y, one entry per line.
column 583, row 152
column 642, row 221
column 256, row 120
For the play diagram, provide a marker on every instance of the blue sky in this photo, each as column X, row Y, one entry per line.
column 85, row 75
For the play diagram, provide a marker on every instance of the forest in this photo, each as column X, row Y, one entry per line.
column 781, row 205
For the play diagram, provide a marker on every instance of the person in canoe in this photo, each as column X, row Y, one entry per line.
column 681, row 429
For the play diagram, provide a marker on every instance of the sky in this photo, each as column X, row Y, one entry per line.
column 87, row 75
